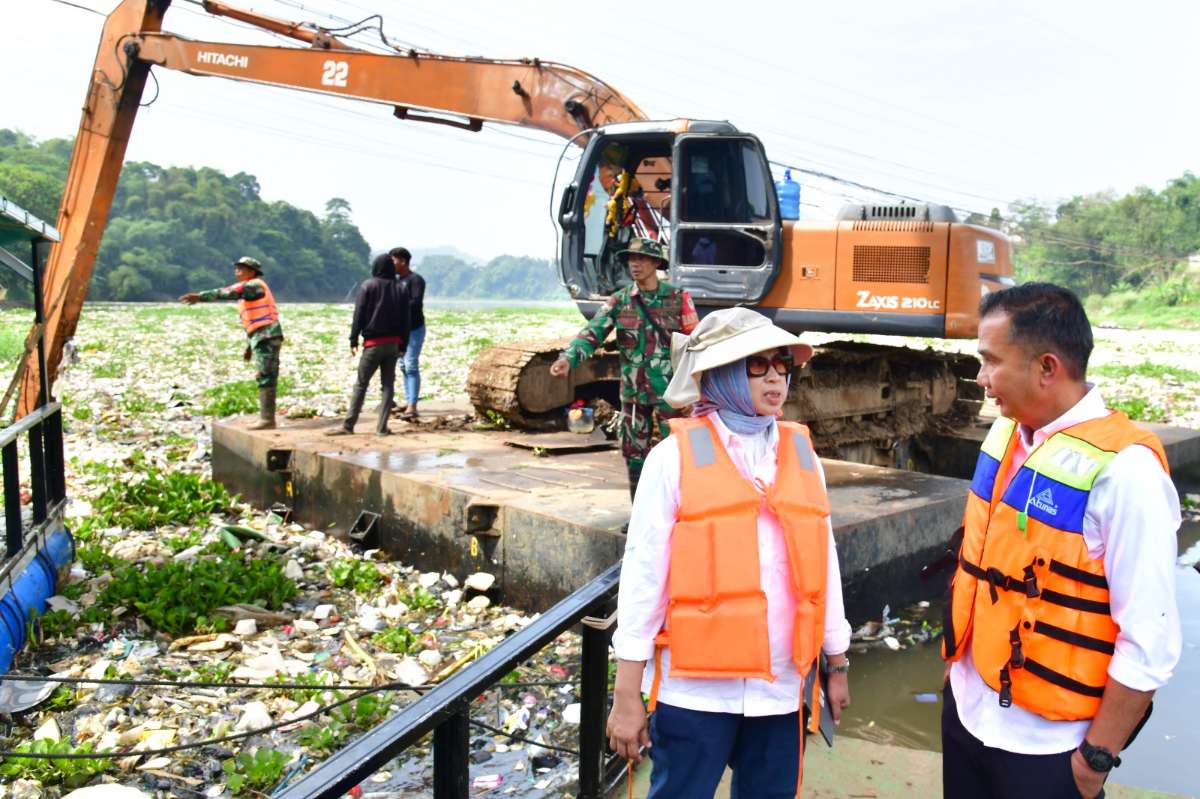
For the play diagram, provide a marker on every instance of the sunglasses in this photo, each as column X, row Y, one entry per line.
column 757, row 365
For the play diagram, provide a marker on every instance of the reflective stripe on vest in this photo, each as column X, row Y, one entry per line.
column 258, row 313
column 1031, row 601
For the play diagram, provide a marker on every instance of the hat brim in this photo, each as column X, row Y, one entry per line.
column 684, row 389
column 624, row 255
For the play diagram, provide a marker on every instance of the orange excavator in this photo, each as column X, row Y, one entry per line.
column 702, row 187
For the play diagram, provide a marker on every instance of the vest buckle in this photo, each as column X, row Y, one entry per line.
column 1017, row 658
column 1031, row 586
column 1005, row 688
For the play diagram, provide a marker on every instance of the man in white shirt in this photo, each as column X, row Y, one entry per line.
column 1053, row 665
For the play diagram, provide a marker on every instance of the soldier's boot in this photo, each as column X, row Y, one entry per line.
column 266, row 409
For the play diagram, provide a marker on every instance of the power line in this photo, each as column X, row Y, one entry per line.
column 80, row 7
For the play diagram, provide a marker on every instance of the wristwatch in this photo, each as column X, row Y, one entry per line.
column 841, row 668
column 1098, row 758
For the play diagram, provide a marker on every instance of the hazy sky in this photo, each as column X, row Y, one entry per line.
column 973, row 104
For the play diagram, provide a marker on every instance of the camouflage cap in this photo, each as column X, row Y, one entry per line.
column 644, row 247
column 249, row 262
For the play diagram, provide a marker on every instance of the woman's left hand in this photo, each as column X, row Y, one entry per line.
column 837, row 694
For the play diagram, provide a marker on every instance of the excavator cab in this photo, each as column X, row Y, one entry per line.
column 726, row 230
column 701, row 188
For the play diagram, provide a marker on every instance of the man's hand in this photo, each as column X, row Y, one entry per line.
column 1089, row 781
column 191, row 298
column 627, row 728
column 560, row 367
column 837, row 694
column 247, row 354
column 353, row 350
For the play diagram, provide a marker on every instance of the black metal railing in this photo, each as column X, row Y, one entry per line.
column 445, row 710
column 47, row 483
column 42, row 426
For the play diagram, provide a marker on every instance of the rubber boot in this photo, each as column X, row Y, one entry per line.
column 266, row 410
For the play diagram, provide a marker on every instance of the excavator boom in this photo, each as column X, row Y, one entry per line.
column 526, row 92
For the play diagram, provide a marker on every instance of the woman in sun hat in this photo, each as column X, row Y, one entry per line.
column 730, row 586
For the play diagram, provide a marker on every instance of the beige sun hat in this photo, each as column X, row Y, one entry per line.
column 722, row 337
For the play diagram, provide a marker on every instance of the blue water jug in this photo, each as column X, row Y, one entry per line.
column 788, row 191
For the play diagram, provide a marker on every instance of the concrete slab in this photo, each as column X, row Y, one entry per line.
column 855, row 768
column 955, row 454
column 459, row 499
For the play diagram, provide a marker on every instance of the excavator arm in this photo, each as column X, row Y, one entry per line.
column 527, row 93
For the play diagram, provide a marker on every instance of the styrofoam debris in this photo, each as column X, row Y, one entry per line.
column 480, row 581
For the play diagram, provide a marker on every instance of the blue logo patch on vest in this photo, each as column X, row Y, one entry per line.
column 1044, row 501
column 1050, row 502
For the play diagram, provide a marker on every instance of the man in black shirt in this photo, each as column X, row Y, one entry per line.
column 415, row 287
column 381, row 317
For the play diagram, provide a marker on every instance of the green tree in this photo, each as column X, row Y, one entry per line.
column 178, row 229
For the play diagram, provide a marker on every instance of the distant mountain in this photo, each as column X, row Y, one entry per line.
column 507, row 277
column 421, row 253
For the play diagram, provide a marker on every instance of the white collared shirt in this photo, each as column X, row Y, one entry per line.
column 1130, row 523
column 642, row 603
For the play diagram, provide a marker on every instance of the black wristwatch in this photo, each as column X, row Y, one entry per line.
column 1098, row 758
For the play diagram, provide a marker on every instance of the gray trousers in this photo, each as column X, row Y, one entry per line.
column 381, row 358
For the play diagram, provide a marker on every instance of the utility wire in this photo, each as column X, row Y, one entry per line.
column 6, row 753
column 80, row 7
column 273, row 685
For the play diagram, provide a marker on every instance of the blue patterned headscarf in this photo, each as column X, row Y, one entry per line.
column 726, row 390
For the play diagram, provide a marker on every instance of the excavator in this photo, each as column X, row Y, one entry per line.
column 702, row 187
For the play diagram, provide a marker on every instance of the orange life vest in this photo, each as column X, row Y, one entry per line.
column 1032, row 603
column 258, row 313
column 716, row 624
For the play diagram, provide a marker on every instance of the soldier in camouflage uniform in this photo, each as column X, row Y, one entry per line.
column 644, row 315
column 260, row 318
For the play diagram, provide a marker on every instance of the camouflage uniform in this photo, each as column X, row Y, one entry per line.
column 645, row 362
column 265, row 342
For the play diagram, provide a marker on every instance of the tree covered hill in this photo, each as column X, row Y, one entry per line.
column 508, row 277
column 178, row 229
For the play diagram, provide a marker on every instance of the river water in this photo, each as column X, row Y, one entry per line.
column 897, row 696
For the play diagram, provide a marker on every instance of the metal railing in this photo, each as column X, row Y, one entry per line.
column 46, row 478
column 445, row 710
column 43, row 426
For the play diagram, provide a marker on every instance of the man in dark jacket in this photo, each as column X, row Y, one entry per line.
column 382, row 317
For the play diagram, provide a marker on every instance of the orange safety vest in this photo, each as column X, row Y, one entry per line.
column 258, row 313
column 716, row 624
column 1032, row 602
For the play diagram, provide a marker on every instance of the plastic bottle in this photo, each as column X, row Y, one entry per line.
column 788, row 192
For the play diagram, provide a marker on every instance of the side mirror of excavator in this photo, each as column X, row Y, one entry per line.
column 566, row 210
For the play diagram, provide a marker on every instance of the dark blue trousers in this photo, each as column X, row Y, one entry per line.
column 971, row 770
column 691, row 748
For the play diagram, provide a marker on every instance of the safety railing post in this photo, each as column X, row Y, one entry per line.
column 37, row 472
column 52, row 438
column 451, row 757
column 12, row 500
column 594, row 699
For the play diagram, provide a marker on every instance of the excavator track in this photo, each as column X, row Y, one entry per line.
column 862, row 402
column 512, row 383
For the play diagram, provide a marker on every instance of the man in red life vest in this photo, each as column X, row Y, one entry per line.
column 260, row 318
